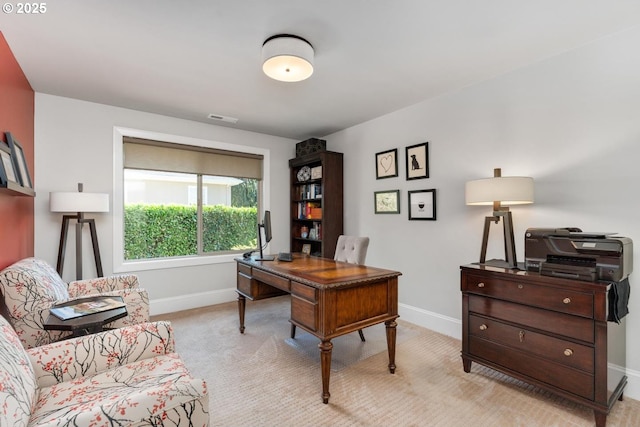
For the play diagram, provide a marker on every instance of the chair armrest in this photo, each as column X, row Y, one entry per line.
column 91, row 354
column 79, row 288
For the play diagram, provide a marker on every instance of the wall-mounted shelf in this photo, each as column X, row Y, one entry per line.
column 14, row 189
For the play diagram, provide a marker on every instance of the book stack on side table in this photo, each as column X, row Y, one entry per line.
column 86, row 315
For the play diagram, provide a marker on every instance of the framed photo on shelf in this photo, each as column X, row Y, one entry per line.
column 387, row 202
column 387, row 164
column 7, row 167
column 20, row 161
column 422, row 205
column 306, row 249
column 418, row 161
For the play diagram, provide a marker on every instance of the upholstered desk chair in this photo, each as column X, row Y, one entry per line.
column 349, row 249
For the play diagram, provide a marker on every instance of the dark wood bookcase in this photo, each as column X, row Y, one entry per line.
column 317, row 202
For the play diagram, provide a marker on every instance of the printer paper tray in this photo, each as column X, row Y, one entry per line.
column 577, row 272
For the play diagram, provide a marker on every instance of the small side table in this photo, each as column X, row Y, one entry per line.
column 85, row 325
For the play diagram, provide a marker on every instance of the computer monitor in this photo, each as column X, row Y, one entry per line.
column 266, row 225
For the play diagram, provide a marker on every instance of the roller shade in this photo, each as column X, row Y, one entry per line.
column 168, row 157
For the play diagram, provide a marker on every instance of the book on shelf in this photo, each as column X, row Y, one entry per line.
column 84, row 307
column 310, row 191
column 309, row 210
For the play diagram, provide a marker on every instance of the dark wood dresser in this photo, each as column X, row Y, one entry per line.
column 549, row 332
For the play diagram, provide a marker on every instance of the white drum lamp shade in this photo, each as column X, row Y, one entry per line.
column 508, row 190
column 287, row 58
column 78, row 202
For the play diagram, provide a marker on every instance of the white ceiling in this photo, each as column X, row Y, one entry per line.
column 190, row 58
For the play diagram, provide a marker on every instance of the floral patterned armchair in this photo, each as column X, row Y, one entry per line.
column 126, row 377
column 31, row 286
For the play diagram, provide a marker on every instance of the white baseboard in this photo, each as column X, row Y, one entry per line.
column 436, row 322
column 187, row 302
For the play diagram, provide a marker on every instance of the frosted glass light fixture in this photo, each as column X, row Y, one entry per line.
column 287, row 58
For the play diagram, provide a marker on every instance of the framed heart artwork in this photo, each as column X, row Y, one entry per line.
column 387, row 164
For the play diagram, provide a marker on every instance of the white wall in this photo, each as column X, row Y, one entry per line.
column 74, row 143
column 571, row 122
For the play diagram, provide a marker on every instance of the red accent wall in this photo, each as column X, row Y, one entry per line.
column 16, row 116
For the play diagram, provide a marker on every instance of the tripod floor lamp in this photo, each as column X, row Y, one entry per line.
column 80, row 203
column 500, row 191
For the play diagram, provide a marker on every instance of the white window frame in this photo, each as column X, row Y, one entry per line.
column 119, row 263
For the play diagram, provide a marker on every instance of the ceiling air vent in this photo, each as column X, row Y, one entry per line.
column 222, row 118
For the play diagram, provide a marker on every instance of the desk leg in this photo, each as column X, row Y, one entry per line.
column 242, row 303
column 391, row 344
column 325, row 363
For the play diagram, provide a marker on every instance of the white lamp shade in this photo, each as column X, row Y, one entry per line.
column 287, row 58
column 509, row 190
column 78, row 202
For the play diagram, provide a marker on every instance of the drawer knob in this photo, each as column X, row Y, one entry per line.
column 520, row 286
column 521, row 336
column 483, row 327
column 481, row 285
column 568, row 352
column 566, row 300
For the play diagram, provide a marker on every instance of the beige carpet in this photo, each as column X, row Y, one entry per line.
column 257, row 379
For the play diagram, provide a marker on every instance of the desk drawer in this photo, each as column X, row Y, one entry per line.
column 272, row 279
column 559, row 376
column 304, row 312
column 244, row 269
column 303, row 291
column 525, row 292
column 558, row 350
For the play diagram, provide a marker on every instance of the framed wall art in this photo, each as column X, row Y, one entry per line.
column 17, row 153
column 387, row 164
column 422, row 205
column 387, row 202
column 7, row 168
column 418, row 161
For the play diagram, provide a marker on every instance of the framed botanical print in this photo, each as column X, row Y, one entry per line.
column 387, row 202
column 417, row 161
column 422, row 205
column 387, row 164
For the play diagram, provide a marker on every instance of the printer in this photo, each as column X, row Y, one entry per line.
column 571, row 253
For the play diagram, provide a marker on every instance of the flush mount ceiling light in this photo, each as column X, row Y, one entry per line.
column 287, row 58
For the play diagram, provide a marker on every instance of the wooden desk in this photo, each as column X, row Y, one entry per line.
column 328, row 299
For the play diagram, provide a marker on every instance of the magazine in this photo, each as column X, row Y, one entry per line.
column 84, row 307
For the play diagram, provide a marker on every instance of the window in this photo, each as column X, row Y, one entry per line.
column 186, row 202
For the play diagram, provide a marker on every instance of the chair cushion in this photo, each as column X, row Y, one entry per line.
column 17, row 379
column 140, row 391
column 30, row 285
column 351, row 249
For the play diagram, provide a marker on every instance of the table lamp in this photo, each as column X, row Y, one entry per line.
column 80, row 203
column 500, row 191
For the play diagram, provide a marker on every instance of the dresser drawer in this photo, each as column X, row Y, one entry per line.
column 555, row 349
column 540, row 369
column 576, row 327
column 527, row 292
